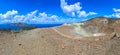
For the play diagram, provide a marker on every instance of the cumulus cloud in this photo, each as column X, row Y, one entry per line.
column 116, row 10
column 32, row 17
column 84, row 14
column 70, row 9
column 116, row 13
column 48, row 17
column 74, row 9
column 8, row 14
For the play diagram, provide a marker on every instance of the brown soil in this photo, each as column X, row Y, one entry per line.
column 59, row 41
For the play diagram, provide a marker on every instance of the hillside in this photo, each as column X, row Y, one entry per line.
column 98, row 36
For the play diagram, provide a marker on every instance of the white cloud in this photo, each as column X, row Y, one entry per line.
column 8, row 14
column 74, row 9
column 18, row 18
column 46, row 17
column 84, row 14
column 70, row 9
column 32, row 17
column 43, row 14
column 116, row 13
column 116, row 10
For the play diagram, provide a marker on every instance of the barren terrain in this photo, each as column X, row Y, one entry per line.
column 99, row 36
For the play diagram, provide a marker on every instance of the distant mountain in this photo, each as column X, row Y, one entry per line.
column 24, row 26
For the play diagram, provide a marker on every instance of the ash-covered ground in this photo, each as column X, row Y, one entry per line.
column 98, row 36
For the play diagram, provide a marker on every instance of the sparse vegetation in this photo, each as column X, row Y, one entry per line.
column 28, row 27
column 5, row 30
column 18, row 30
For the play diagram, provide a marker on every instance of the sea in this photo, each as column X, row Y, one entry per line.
column 16, row 27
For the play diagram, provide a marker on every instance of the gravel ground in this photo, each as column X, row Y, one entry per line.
column 50, row 42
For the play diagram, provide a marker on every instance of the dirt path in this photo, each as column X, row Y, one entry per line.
column 50, row 41
column 62, row 33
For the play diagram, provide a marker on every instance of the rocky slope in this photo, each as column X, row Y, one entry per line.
column 98, row 36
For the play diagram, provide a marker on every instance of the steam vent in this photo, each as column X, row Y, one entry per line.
column 98, row 36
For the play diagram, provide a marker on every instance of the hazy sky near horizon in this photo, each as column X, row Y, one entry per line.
column 46, row 11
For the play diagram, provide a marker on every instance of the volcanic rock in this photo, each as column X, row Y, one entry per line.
column 98, row 36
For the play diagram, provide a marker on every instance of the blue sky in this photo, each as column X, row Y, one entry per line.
column 51, row 11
